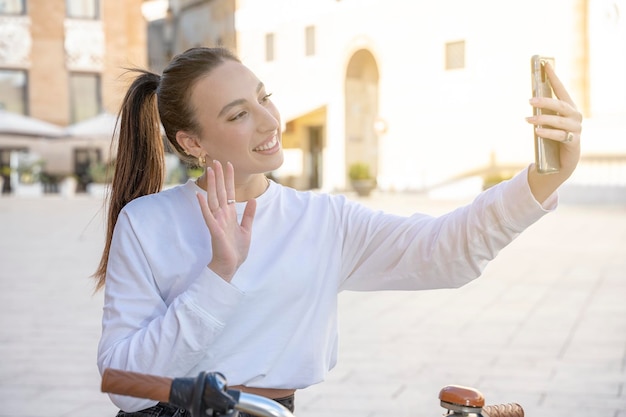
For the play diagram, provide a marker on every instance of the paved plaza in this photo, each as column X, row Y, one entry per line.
column 545, row 326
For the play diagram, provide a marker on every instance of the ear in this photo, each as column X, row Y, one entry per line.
column 189, row 142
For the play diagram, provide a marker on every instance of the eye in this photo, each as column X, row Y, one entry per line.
column 266, row 97
column 238, row 116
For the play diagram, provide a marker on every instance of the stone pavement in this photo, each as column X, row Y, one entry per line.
column 545, row 326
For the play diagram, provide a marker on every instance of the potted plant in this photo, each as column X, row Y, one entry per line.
column 5, row 175
column 29, row 171
column 101, row 175
column 361, row 178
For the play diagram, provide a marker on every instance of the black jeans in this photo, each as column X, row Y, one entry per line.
column 167, row 410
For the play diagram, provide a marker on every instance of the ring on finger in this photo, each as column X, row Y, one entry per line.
column 569, row 136
column 231, row 201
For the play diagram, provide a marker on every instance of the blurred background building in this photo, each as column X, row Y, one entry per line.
column 428, row 96
column 61, row 62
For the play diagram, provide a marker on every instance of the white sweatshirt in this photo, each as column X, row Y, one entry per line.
column 275, row 324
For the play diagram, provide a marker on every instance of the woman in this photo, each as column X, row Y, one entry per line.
column 238, row 274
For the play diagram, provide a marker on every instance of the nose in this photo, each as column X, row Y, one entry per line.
column 268, row 119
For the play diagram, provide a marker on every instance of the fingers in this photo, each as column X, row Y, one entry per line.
column 220, row 185
column 569, row 136
column 564, row 105
column 230, row 182
column 206, row 211
column 220, row 190
column 557, row 86
column 563, row 123
column 221, row 194
column 557, row 127
column 211, row 189
column 557, row 122
column 559, row 135
column 560, row 108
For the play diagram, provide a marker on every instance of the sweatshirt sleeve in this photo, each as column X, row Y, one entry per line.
column 140, row 332
column 426, row 252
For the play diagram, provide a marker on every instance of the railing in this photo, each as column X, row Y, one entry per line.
column 598, row 178
column 607, row 170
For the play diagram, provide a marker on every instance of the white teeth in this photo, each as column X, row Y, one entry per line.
column 268, row 145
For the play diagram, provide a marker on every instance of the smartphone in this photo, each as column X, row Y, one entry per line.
column 547, row 158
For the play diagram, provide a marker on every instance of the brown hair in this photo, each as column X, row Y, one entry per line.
column 150, row 101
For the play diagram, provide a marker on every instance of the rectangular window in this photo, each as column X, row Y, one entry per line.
column 83, row 9
column 455, row 55
column 14, row 91
column 310, row 40
column 12, row 7
column 85, row 96
column 269, row 47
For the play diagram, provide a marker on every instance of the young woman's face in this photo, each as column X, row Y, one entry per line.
column 238, row 121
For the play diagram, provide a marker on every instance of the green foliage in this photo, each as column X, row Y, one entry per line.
column 29, row 169
column 493, row 178
column 194, row 172
column 101, row 172
column 359, row 171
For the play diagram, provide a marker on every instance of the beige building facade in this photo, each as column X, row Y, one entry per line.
column 61, row 61
column 428, row 92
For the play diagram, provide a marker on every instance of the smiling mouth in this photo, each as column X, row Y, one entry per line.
column 268, row 145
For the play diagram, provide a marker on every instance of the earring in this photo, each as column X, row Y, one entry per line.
column 202, row 160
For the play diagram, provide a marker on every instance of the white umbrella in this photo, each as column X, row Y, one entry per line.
column 20, row 125
column 100, row 126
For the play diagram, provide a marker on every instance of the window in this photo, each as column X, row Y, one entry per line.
column 85, row 97
column 310, row 40
column 269, row 47
column 455, row 55
column 83, row 9
column 14, row 91
column 12, row 7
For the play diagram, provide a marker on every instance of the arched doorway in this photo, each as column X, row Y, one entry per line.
column 361, row 98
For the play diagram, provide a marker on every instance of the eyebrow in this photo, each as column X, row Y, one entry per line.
column 238, row 101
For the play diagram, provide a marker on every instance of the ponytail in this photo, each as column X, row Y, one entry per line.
column 140, row 159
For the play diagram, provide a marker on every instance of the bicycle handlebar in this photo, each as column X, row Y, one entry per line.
column 133, row 384
column 201, row 396
column 207, row 394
